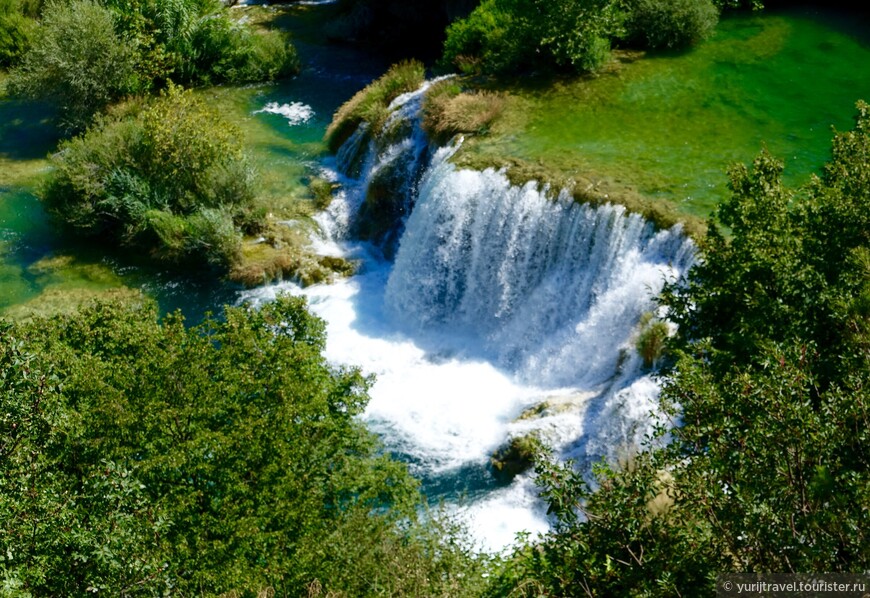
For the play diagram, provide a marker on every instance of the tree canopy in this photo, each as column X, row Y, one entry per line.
column 85, row 55
column 140, row 458
column 767, row 468
column 505, row 37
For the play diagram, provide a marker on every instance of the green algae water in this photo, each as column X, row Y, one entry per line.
column 669, row 125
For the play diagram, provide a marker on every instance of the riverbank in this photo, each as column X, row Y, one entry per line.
column 658, row 131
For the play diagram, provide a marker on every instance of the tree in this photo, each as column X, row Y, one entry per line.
column 767, row 468
column 77, row 60
column 16, row 31
column 168, row 176
column 141, row 457
column 669, row 24
column 87, row 54
column 504, row 36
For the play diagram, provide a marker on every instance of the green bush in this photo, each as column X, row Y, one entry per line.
column 16, row 31
column 88, row 54
column 506, row 36
column 494, row 38
column 225, row 51
column 141, row 457
column 669, row 23
column 77, row 60
column 168, row 177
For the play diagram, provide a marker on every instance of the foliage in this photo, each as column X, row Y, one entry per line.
column 669, row 24
column 168, row 177
column 621, row 539
column 448, row 111
column 78, row 60
column 735, row 4
column 16, row 30
column 503, row 36
column 145, row 458
column 768, row 469
column 88, row 54
column 224, row 51
column 369, row 105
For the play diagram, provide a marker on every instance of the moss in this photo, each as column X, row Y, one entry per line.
column 370, row 104
column 70, row 266
column 548, row 407
column 60, row 299
column 588, row 188
column 384, row 204
column 516, row 457
column 284, row 253
column 321, row 192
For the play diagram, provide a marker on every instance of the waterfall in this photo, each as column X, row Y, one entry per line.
column 498, row 311
column 553, row 288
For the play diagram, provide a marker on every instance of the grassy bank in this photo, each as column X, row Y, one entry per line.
column 657, row 132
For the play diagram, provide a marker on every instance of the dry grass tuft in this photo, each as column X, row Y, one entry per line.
column 448, row 111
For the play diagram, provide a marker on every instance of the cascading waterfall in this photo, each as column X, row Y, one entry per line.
column 506, row 311
column 552, row 288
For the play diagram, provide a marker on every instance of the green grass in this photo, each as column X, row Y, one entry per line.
column 666, row 126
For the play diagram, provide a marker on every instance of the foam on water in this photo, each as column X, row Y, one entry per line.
column 296, row 113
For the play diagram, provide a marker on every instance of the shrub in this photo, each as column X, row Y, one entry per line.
column 370, row 104
column 77, row 60
column 669, row 23
column 225, row 51
column 16, row 31
column 168, row 177
column 506, row 36
column 494, row 38
column 88, row 54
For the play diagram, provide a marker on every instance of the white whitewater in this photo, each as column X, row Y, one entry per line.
column 499, row 298
column 296, row 113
